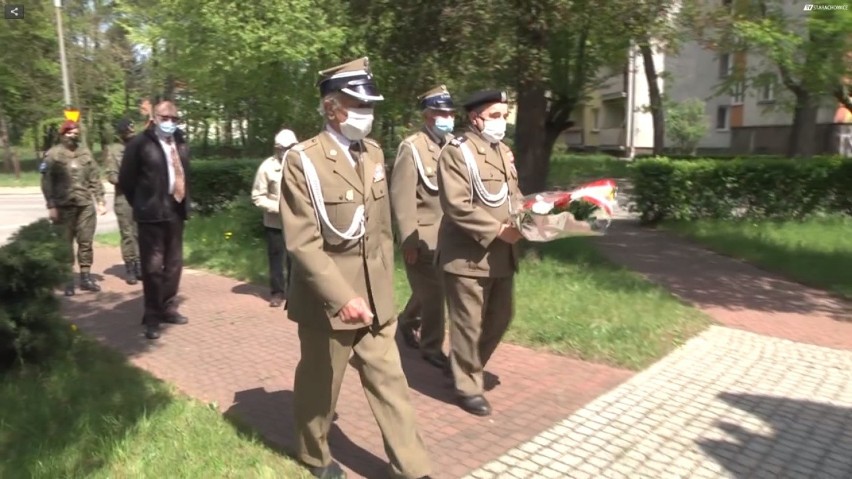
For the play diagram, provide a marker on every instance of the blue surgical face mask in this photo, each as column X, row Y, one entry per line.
column 445, row 124
column 167, row 127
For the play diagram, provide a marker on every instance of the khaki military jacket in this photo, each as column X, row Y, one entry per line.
column 328, row 271
column 71, row 178
column 115, row 151
column 414, row 192
column 467, row 238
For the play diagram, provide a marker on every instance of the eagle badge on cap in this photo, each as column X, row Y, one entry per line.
column 379, row 174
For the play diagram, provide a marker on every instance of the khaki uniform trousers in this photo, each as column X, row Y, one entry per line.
column 319, row 375
column 427, row 302
column 479, row 311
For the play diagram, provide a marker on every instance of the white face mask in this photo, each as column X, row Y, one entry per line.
column 358, row 124
column 494, row 129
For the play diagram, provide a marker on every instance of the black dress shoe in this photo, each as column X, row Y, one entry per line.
column 331, row 471
column 152, row 332
column 476, row 405
column 176, row 319
column 439, row 360
column 276, row 300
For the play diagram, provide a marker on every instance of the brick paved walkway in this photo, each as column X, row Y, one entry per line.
column 732, row 292
column 241, row 354
column 728, row 404
column 779, row 400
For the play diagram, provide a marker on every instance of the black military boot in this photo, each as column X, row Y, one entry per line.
column 88, row 284
column 131, row 273
column 137, row 270
column 69, row 287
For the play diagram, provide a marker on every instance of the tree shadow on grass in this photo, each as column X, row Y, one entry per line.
column 706, row 279
column 66, row 419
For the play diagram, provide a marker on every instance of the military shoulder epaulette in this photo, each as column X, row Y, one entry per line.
column 458, row 140
column 372, row 142
column 306, row 144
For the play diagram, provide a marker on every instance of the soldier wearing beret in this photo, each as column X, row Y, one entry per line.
column 417, row 210
column 124, row 131
column 477, row 249
column 71, row 184
column 337, row 227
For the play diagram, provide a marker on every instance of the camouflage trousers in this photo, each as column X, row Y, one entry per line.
column 127, row 229
column 78, row 224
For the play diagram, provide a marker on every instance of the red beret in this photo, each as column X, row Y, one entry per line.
column 68, row 125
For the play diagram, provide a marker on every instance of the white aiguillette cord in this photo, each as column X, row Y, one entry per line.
column 491, row 200
column 419, row 163
column 356, row 229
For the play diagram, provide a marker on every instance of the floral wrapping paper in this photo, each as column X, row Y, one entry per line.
column 544, row 217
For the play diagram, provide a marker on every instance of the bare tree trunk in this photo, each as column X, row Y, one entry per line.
column 803, row 130
column 532, row 159
column 11, row 161
column 205, row 141
column 655, row 97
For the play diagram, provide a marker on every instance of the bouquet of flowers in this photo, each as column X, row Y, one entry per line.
column 585, row 211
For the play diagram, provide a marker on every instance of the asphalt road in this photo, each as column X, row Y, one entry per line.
column 19, row 209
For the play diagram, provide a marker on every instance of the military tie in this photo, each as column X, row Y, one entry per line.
column 355, row 151
column 180, row 186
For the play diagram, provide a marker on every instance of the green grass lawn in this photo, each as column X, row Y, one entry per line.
column 816, row 252
column 94, row 415
column 570, row 301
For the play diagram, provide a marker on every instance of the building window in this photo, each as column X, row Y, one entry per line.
column 767, row 91
column 738, row 93
column 596, row 119
column 725, row 65
column 722, row 117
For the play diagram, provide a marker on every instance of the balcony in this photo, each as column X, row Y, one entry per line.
column 612, row 137
column 614, row 86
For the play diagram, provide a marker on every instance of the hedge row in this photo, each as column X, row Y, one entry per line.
column 32, row 264
column 215, row 183
column 741, row 188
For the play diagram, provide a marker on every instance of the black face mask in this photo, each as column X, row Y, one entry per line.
column 71, row 140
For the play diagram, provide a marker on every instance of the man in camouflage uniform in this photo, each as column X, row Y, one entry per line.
column 124, row 130
column 71, row 183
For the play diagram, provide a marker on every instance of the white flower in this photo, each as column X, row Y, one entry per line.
column 541, row 207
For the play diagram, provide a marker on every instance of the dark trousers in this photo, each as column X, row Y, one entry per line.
column 161, row 255
column 279, row 261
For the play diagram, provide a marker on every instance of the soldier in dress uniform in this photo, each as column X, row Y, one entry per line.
column 417, row 210
column 477, row 249
column 124, row 131
column 337, row 227
column 71, row 184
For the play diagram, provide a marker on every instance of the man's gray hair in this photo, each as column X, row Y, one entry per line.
column 331, row 100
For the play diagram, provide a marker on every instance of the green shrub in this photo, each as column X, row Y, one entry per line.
column 215, row 183
column 744, row 188
column 34, row 262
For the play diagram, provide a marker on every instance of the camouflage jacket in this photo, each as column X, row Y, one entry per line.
column 113, row 163
column 70, row 178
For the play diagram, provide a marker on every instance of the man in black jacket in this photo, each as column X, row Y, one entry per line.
column 153, row 178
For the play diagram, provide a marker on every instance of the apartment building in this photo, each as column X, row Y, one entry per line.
column 745, row 120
